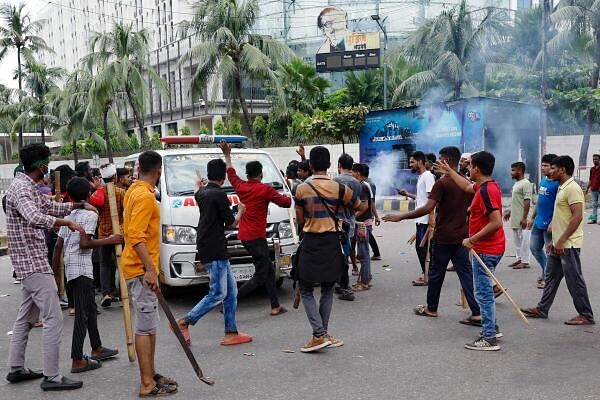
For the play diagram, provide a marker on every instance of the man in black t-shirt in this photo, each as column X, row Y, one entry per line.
column 215, row 215
column 451, row 228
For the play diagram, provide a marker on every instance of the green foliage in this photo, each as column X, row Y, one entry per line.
column 155, row 143
column 235, row 126
column 203, row 131
column 66, row 150
column 185, row 131
column 338, row 98
column 366, row 88
column 220, row 128
column 260, row 127
column 171, row 132
column 133, row 143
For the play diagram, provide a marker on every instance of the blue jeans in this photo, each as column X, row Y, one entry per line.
column 539, row 239
column 484, row 293
column 222, row 289
column 363, row 254
column 595, row 196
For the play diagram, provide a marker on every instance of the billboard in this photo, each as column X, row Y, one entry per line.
column 341, row 49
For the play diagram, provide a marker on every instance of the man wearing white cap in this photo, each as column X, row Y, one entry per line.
column 463, row 165
column 107, row 264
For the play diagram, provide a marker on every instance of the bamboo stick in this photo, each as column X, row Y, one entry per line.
column 61, row 266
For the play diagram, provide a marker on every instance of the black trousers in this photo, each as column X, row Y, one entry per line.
column 421, row 251
column 85, row 316
column 374, row 245
column 264, row 271
column 108, row 269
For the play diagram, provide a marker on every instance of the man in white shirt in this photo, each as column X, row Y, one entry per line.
column 425, row 224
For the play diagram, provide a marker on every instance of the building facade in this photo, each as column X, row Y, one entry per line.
column 71, row 24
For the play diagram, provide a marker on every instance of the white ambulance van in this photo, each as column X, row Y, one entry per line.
column 179, row 216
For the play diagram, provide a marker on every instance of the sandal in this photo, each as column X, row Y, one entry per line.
column 160, row 390
column 471, row 321
column 163, row 380
column 423, row 311
column 419, row 283
column 185, row 331
column 580, row 320
column 280, row 310
column 354, row 271
column 360, row 287
column 239, row 339
column 91, row 364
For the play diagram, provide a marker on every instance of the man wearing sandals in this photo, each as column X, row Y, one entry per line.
column 211, row 244
column 321, row 259
column 486, row 237
column 567, row 239
column 140, row 263
column 451, row 204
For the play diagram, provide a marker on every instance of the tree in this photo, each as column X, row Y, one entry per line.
column 450, row 46
column 120, row 58
column 579, row 23
column 229, row 52
column 19, row 32
column 366, row 88
column 34, row 108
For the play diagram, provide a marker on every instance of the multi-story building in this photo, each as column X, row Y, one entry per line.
column 71, row 24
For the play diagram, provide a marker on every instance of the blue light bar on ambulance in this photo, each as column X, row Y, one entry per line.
column 204, row 139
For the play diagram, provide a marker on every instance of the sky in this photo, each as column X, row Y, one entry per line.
column 8, row 65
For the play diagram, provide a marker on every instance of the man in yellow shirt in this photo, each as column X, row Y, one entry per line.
column 140, row 263
column 567, row 239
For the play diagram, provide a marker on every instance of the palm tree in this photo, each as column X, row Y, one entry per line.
column 19, row 32
column 34, row 108
column 228, row 50
column 299, row 89
column 365, row 88
column 449, row 46
column 579, row 24
column 120, row 58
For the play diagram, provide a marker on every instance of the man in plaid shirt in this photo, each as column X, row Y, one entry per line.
column 28, row 214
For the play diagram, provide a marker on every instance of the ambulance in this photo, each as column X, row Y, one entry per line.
column 179, row 212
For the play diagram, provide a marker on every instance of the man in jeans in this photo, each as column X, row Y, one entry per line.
column 594, row 186
column 486, row 237
column 451, row 227
column 211, row 243
column 542, row 216
column 518, row 214
column 424, row 185
column 256, row 196
column 364, row 225
column 345, row 177
column 320, row 256
column 28, row 215
column 567, row 239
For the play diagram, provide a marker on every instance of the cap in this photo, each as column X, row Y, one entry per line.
column 108, row 171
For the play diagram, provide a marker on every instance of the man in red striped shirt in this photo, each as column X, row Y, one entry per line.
column 253, row 225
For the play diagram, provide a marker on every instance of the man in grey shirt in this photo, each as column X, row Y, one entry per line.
column 345, row 177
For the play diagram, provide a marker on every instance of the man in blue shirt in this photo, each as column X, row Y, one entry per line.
column 542, row 216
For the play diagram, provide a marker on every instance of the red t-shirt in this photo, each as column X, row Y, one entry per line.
column 487, row 198
column 594, row 179
column 256, row 196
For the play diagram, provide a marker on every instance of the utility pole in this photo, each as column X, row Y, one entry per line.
column 546, row 6
column 377, row 19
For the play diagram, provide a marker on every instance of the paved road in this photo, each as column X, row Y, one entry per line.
column 389, row 352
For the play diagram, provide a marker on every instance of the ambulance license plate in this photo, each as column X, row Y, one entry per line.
column 243, row 273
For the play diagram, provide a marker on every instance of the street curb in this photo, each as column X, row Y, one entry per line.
column 395, row 203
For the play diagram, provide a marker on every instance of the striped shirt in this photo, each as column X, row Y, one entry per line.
column 78, row 261
column 317, row 218
column 29, row 214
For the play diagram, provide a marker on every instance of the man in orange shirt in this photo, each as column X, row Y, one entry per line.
column 140, row 263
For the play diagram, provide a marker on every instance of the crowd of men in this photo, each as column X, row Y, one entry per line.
column 458, row 214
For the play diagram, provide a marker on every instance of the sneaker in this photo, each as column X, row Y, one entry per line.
column 63, row 304
column 106, row 301
column 315, row 343
column 483, row 344
column 334, row 341
column 16, row 282
column 64, row 384
column 580, row 320
column 498, row 333
column 347, row 295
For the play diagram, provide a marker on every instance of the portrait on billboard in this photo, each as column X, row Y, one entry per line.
column 332, row 23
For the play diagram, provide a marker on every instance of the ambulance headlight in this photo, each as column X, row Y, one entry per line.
column 285, row 230
column 174, row 234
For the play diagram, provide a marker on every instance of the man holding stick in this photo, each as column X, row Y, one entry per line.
column 140, row 264
column 567, row 239
column 486, row 237
column 28, row 214
column 450, row 229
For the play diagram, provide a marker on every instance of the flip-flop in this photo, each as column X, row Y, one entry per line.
column 422, row 311
column 239, row 339
column 419, row 283
column 160, row 390
column 470, row 321
column 163, row 380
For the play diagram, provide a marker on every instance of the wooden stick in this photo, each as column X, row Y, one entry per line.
column 177, row 331
column 61, row 265
column 463, row 299
column 512, row 302
column 114, row 215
